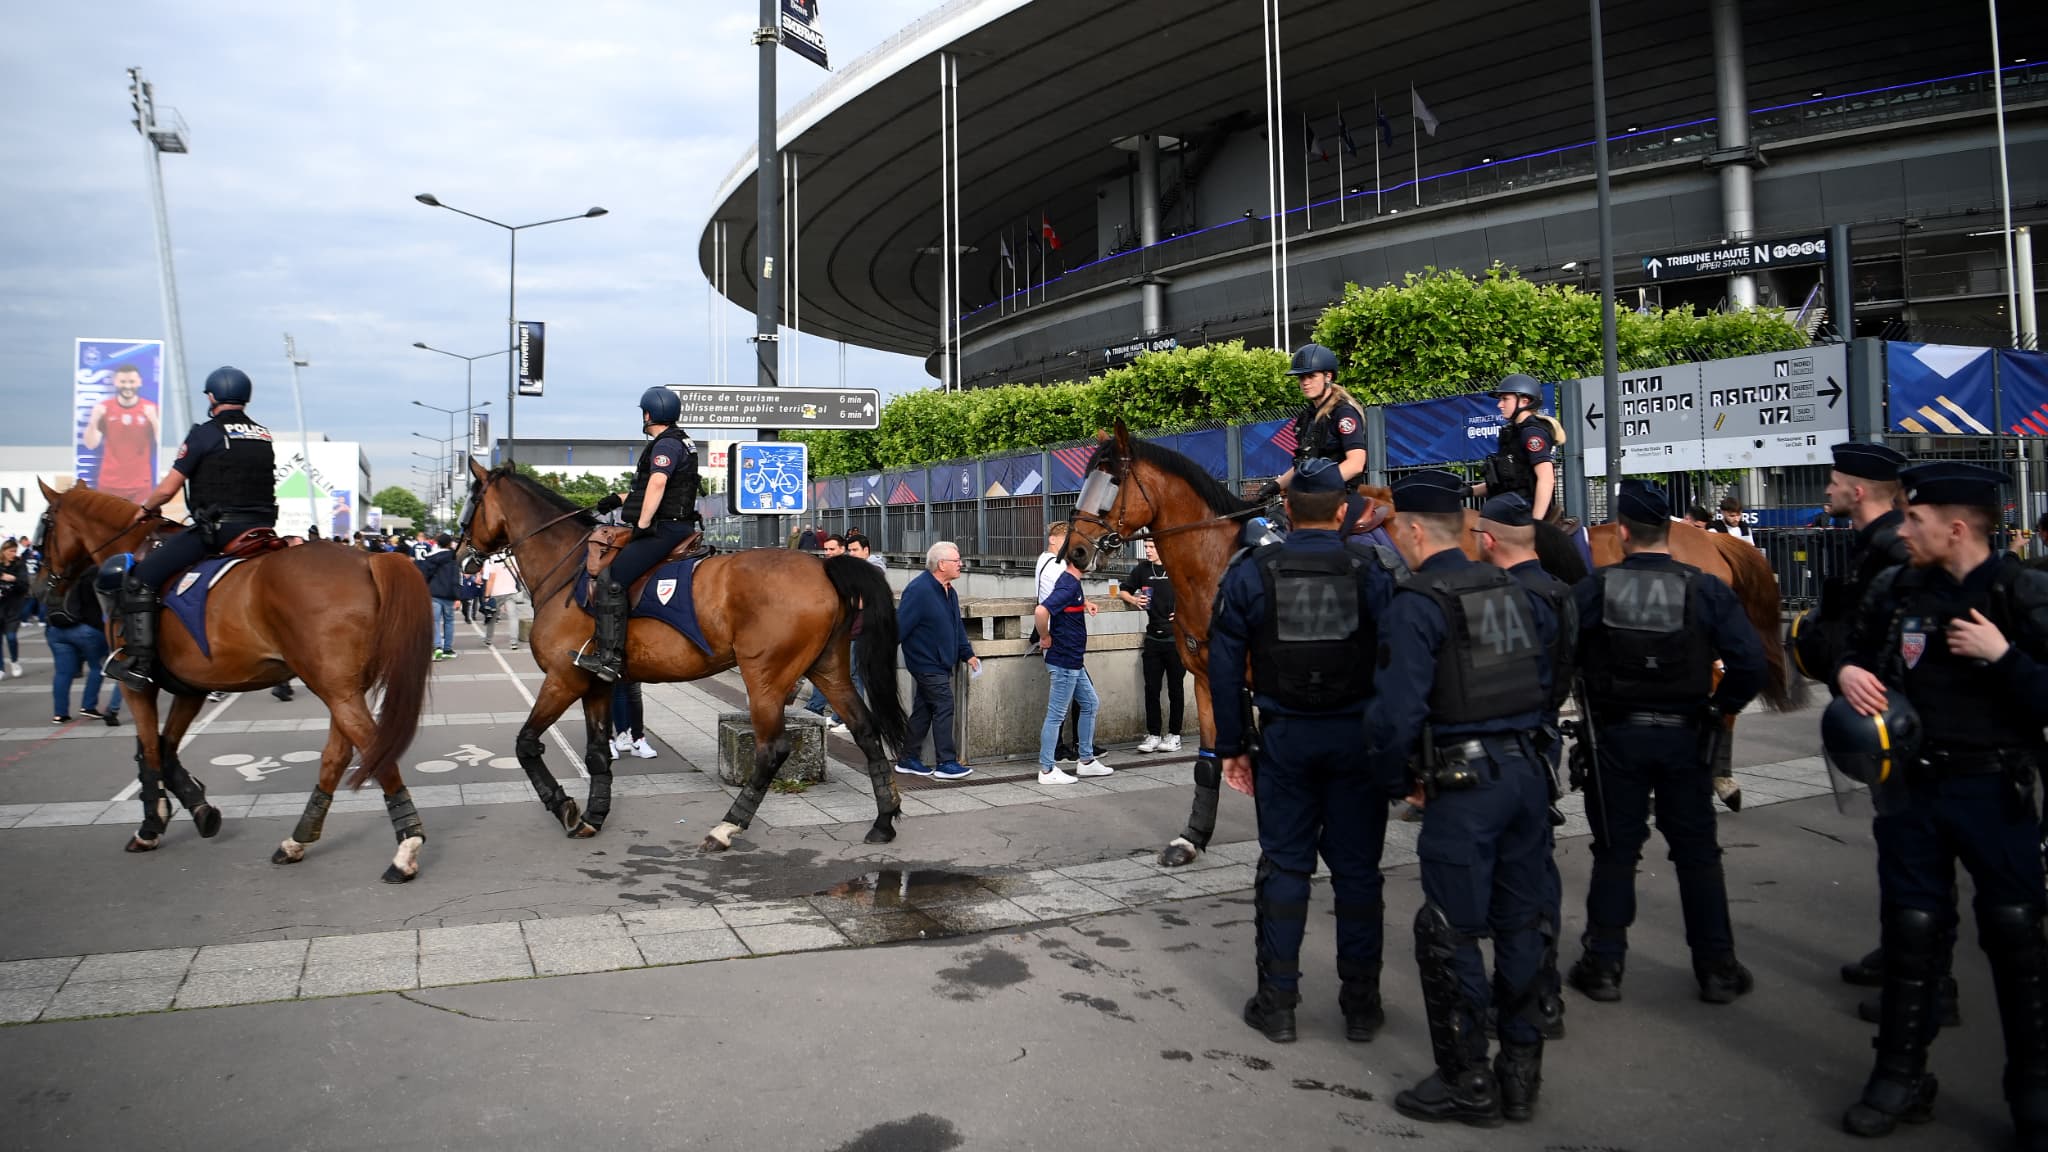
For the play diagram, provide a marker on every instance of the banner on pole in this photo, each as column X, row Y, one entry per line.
column 800, row 32
column 532, row 354
column 115, row 420
column 479, row 433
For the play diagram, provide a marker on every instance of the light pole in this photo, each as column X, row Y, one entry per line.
column 453, row 438
column 443, row 466
column 511, row 297
column 165, row 133
column 469, row 378
column 292, row 357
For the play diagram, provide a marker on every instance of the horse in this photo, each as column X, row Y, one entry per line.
column 344, row 622
column 775, row 614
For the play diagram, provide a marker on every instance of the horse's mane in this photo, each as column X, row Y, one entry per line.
column 1207, row 487
column 95, row 503
column 543, row 493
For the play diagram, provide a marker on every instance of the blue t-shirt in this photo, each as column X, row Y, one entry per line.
column 1069, row 612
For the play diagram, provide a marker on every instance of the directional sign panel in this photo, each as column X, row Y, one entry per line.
column 1735, row 256
column 779, row 407
column 1659, row 417
column 1776, row 409
column 770, row 478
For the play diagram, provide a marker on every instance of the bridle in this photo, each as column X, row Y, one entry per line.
column 54, row 584
column 540, row 587
column 1102, row 484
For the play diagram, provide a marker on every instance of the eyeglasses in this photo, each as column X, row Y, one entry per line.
column 949, row 560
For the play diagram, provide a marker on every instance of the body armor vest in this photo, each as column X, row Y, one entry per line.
column 1315, row 644
column 240, row 481
column 1644, row 655
column 1564, row 652
column 1489, row 666
column 1961, row 701
column 1315, row 438
column 679, row 499
column 1823, row 649
column 1507, row 470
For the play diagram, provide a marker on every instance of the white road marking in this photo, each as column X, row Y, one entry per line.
column 519, row 684
column 135, row 785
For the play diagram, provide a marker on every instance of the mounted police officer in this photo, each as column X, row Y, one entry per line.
column 1306, row 610
column 1331, row 427
column 1650, row 629
column 662, row 511
column 1524, row 462
column 228, row 470
column 1962, row 634
column 1463, row 685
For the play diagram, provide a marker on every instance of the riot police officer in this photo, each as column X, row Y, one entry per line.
column 1962, row 633
column 1331, row 427
column 662, row 511
column 1523, row 462
column 1464, row 681
column 227, row 468
column 1306, row 610
column 1650, row 629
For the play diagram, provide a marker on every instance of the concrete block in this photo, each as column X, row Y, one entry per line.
column 691, row 946
column 250, row 986
column 21, row 1005
column 806, row 735
column 47, row 973
column 157, row 963
column 112, row 997
column 441, row 968
column 343, row 978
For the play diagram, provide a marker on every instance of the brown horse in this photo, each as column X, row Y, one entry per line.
column 344, row 622
column 775, row 614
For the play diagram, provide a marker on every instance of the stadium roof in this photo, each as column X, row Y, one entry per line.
column 1048, row 86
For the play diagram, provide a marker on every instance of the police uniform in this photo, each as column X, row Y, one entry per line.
column 1650, row 629
column 1306, row 610
column 671, row 454
column 1330, row 435
column 1818, row 635
column 1970, row 794
column 1523, row 444
column 1464, row 678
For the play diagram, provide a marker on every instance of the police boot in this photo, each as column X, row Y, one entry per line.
column 2012, row 936
column 1518, row 1071
column 605, row 656
column 1900, row 1088
column 1359, row 998
column 1462, row 1087
column 1948, row 1012
column 1597, row 977
column 136, row 665
column 1272, row 1013
column 1867, row 972
column 1722, row 979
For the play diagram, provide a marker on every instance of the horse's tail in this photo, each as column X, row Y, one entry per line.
column 864, row 589
column 1558, row 552
column 401, row 654
column 1757, row 587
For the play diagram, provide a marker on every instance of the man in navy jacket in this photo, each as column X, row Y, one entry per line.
column 443, row 584
column 934, row 641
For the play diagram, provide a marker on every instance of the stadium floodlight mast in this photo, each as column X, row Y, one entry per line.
column 511, row 295
column 164, row 132
column 469, row 379
column 292, row 357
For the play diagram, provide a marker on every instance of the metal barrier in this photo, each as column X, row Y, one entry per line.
column 1805, row 559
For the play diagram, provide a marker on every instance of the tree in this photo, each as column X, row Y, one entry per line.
column 396, row 501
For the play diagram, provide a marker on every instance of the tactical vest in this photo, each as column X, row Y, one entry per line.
column 1315, row 438
column 1564, row 652
column 1644, row 655
column 1508, row 470
column 1489, row 666
column 1961, row 701
column 679, row 498
column 1315, row 645
column 240, row 481
column 1820, row 651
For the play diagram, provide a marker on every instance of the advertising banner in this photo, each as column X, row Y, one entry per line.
column 479, row 433
column 2024, row 378
column 322, row 494
column 800, row 31
column 21, row 502
column 532, row 356
column 116, row 388
column 1451, row 430
column 1938, row 388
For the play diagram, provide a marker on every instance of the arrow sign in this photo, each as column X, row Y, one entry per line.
column 777, row 407
column 1833, row 391
column 1593, row 416
column 1654, row 265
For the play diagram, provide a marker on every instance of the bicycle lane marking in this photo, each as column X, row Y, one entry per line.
column 520, row 685
column 135, row 785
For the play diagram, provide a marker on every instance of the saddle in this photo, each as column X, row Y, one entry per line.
column 605, row 539
column 256, row 541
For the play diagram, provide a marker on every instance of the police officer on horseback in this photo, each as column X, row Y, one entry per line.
column 1523, row 463
column 228, row 470
column 1306, row 610
column 1331, row 427
column 662, row 511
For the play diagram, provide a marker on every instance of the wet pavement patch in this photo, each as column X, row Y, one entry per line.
column 1176, row 1054
column 923, row 1132
column 981, row 972
column 1333, row 1089
column 1255, row 1063
column 1107, row 1007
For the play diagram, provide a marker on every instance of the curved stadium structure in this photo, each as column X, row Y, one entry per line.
column 1136, row 133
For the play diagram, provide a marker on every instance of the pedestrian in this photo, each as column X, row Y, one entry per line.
column 1463, row 681
column 1062, row 618
column 934, row 641
column 2037, row 545
column 857, row 547
column 438, row 566
column 472, row 587
column 77, row 633
column 1732, row 521
column 1524, row 462
column 1958, row 637
column 832, row 545
column 1306, row 611
column 502, row 594
column 807, row 539
column 1051, row 563
column 1159, row 651
column 14, row 578
column 1650, row 630
column 629, row 730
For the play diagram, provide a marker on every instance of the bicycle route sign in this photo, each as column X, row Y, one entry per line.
column 779, row 407
column 769, row 478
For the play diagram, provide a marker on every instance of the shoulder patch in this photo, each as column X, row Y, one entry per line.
column 182, row 449
column 1346, row 425
column 1534, row 442
column 662, row 461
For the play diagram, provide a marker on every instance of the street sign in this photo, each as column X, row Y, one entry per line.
column 1659, row 417
column 768, row 477
column 779, row 407
column 1774, row 409
column 1736, row 256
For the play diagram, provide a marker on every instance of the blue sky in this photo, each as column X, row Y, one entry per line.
column 312, row 126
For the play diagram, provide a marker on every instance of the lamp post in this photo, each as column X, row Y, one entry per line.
column 469, row 375
column 511, row 297
column 164, row 131
column 291, row 355
column 443, row 466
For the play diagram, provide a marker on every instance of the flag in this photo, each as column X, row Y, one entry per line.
column 1386, row 129
column 1007, row 261
column 1052, row 238
column 1284, row 438
column 1344, row 136
column 1315, row 146
column 1421, row 111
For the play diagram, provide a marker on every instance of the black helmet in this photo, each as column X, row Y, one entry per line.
column 229, row 386
column 1519, row 385
column 1871, row 750
column 661, row 406
column 1312, row 358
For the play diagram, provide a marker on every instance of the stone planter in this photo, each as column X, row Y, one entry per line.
column 736, row 748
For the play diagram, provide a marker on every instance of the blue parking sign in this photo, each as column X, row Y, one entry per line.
column 772, row 478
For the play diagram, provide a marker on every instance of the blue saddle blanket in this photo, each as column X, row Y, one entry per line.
column 186, row 597
column 665, row 597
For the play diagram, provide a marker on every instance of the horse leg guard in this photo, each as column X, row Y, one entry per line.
column 1188, row 846
column 597, row 758
column 311, row 823
column 1463, row 1087
column 527, row 747
column 1900, row 1088
column 156, row 811
column 888, row 801
column 405, row 823
column 192, row 794
column 2012, row 936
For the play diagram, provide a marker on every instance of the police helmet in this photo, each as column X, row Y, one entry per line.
column 1806, row 646
column 1519, row 385
column 229, row 386
column 1871, row 750
column 1312, row 358
column 661, row 406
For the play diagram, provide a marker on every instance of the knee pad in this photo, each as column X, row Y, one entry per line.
column 2009, row 927
column 1208, row 770
column 1436, row 939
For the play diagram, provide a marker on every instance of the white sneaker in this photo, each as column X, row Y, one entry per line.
column 1149, row 744
column 1054, row 777
column 622, row 743
column 14, row 669
column 1170, row 744
column 644, row 750
column 839, row 728
column 1093, row 767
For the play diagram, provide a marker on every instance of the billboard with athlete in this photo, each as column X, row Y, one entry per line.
column 116, row 424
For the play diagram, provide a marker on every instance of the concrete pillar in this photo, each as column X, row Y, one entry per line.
column 1735, row 157
column 1153, row 299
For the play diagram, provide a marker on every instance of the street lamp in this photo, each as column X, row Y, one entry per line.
column 291, row 355
column 469, row 377
column 511, row 297
column 453, row 436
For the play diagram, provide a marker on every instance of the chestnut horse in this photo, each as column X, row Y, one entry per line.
column 775, row 614
column 344, row 622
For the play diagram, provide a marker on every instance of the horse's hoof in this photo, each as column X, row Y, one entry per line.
column 394, row 875
column 713, row 844
column 881, row 833
column 571, row 814
column 1729, row 791
column 138, row 844
column 583, row 830
column 1180, row 852
column 208, row 819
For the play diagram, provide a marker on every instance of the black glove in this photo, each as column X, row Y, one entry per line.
column 642, row 532
column 1465, row 491
column 612, row 502
column 1267, row 493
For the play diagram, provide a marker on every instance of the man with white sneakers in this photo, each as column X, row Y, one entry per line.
column 1062, row 618
column 1150, row 591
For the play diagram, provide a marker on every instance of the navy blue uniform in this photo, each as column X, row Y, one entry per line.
column 1313, row 794
column 671, row 454
column 1875, row 547
column 1652, row 722
column 1550, row 743
column 228, row 464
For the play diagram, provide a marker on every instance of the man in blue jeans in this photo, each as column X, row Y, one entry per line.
column 934, row 642
column 443, row 584
column 78, row 641
column 1062, row 619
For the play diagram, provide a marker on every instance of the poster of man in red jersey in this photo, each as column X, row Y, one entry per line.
column 115, row 415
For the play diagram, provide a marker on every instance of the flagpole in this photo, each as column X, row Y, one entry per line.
column 1415, row 145
column 1273, row 221
column 1343, row 134
column 1376, row 114
column 1279, row 106
column 1308, row 195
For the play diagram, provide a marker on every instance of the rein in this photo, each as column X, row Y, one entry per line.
column 57, row 580
column 539, row 587
column 1117, row 535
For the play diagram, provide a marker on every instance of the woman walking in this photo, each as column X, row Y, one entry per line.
column 14, row 577
column 1154, row 596
column 78, row 642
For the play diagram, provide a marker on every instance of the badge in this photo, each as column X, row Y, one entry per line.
column 1346, row 425
column 181, row 451
column 1912, row 646
column 661, row 461
column 1534, row 443
column 663, row 589
column 186, row 581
